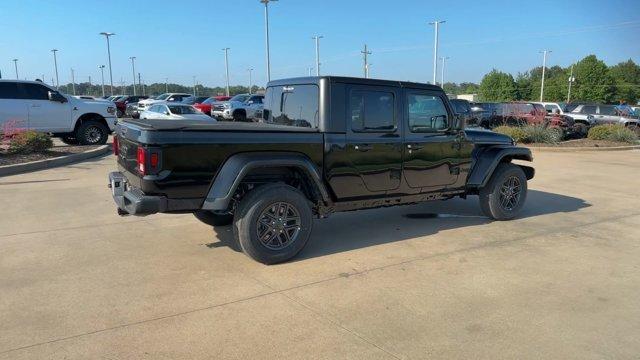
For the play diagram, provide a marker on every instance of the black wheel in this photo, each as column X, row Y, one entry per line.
column 213, row 219
column 581, row 129
column 272, row 223
column 635, row 128
column 92, row 132
column 239, row 115
column 505, row 193
column 69, row 140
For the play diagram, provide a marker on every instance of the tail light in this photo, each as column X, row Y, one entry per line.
column 116, row 146
column 148, row 161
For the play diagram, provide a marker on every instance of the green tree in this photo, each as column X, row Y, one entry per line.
column 498, row 86
column 626, row 76
column 593, row 82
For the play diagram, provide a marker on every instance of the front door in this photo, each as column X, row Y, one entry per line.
column 13, row 109
column 373, row 140
column 431, row 150
column 45, row 115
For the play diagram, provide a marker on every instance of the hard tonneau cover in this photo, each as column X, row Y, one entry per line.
column 195, row 125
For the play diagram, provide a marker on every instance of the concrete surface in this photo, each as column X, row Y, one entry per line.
column 563, row 281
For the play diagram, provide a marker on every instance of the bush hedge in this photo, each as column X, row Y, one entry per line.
column 27, row 142
column 531, row 133
column 619, row 133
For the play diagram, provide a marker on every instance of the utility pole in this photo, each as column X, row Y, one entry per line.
column 317, row 39
column 571, row 80
column 250, row 79
column 366, row 63
column 15, row 63
column 436, row 24
column 194, row 85
column 166, row 85
column 226, row 66
column 444, row 61
column 266, row 35
column 544, row 65
column 55, row 64
column 141, row 85
column 107, row 35
column 90, row 86
column 133, row 71
column 102, row 75
column 73, row 81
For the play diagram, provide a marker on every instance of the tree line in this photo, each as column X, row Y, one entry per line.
column 593, row 81
column 85, row 88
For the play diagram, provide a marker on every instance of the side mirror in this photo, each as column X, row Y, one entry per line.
column 461, row 122
column 167, row 113
column 56, row 96
column 249, row 102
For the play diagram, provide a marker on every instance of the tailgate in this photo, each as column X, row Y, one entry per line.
column 128, row 141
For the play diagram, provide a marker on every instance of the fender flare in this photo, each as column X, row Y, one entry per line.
column 237, row 166
column 488, row 159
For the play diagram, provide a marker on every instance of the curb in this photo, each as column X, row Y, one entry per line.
column 53, row 162
column 580, row 149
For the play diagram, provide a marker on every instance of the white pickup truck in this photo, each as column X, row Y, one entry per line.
column 35, row 106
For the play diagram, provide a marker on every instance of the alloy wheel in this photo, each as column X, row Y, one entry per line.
column 510, row 191
column 278, row 225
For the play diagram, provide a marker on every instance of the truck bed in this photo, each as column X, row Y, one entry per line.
column 191, row 152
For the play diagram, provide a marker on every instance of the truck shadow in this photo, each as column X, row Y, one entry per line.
column 360, row 229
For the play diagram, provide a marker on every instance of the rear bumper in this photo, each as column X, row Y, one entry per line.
column 132, row 201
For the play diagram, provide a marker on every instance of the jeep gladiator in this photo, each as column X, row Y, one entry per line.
column 324, row 145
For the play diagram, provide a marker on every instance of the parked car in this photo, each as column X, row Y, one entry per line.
column 174, row 111
column 463, row 109
column 194, row 99
column 207, row 104
column 34, row 105
column 242, row 107
column 610, row 114
column 516, row 114
column 358, row 146
column 483, row 112
column 553, row 107
column 123, row 101
column 167, row 97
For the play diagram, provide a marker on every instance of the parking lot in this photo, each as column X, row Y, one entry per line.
column 429, row 280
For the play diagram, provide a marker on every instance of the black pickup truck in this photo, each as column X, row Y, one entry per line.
column 324, row 145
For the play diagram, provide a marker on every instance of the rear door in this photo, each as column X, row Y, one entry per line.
column 373, row 140
column 13, row 110
column 607, row 114
column 431, row 150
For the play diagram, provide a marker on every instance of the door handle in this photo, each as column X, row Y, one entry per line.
column 363, row 147
column 414, row 146
column 35, row 105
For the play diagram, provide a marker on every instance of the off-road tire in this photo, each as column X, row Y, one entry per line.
column 69, row 140
column 250, row 216
column 92, row 132
column 239, row 115
column 491, row 202
column 213, row 219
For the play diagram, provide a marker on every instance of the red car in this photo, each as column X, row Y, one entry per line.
column 205, row 106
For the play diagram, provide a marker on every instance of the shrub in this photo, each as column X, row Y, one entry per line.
column 531, row 133
column 516, row 133
column 29, row 142
column 616, row 132
column 541, row 134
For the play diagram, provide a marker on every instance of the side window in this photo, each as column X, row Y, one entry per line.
column 588, row 109
column 607, row 110
column 294, row 105
column 427, row 113
column 372, row 111
column 256, row 99
column 33, row 91
column 155, row 108
column 8, row 90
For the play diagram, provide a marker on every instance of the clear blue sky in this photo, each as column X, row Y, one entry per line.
column 181, row 39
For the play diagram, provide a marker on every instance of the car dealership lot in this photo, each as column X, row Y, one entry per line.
column 428, row 280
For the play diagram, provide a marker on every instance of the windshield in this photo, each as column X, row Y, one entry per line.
column 182, row 110
column 240, row 98
column 161, row 97
column 210, row 101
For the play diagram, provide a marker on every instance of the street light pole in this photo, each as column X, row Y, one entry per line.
column 317, row 39
column 166, row 85
column 133, row 71
column 73, row 81
column 366, row 63
column 444, row 61
column 571, row 80
column 107, row 35
column 544, row 65
column 436, row 24
column 90, row 86
column 250, row 79
column 55, row 64
column 15, row 64
column 226, row 66
column 194, row 86
column 102, row 75
column 266, row 34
